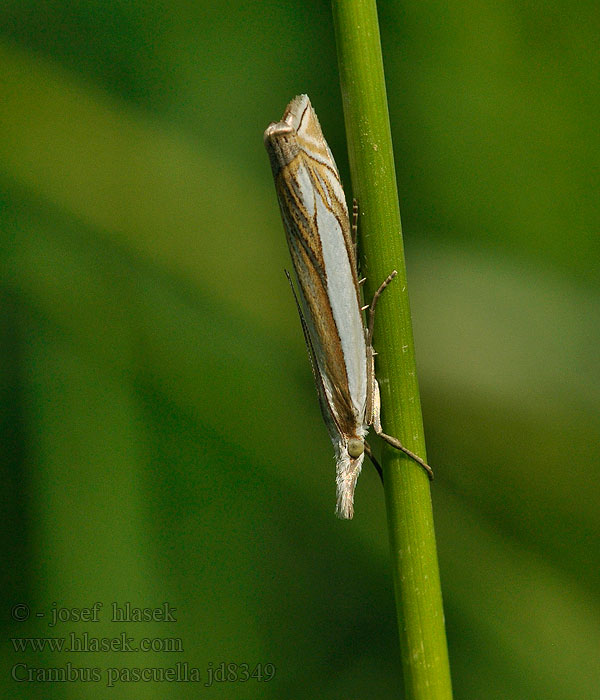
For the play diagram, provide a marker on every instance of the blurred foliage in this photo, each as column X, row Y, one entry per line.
column 161, row 440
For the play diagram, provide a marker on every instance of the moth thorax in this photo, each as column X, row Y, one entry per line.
column 356, row 447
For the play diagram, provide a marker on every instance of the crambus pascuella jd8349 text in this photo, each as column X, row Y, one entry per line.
column 317, row 226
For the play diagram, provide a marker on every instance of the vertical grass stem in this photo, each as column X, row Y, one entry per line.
column 407, row 488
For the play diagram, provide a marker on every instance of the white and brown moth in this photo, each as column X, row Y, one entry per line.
column 319, row 235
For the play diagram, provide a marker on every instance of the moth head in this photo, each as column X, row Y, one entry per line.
column 356, row 447
column 350, row 456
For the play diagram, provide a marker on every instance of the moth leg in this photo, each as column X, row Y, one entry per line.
column 375, row 463
column 376, row 296
column 394, row 442
column 373, row 397
column 354, row 224
column 372, row 387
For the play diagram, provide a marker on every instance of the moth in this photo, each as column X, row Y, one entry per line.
column 323, row 251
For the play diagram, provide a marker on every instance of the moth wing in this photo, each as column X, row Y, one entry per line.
column 327, row 411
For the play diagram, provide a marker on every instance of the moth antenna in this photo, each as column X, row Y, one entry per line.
column 374, row 462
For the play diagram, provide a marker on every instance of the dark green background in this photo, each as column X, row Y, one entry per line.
column 161, row 439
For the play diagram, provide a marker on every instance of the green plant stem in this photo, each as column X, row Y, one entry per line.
column 407, row 491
